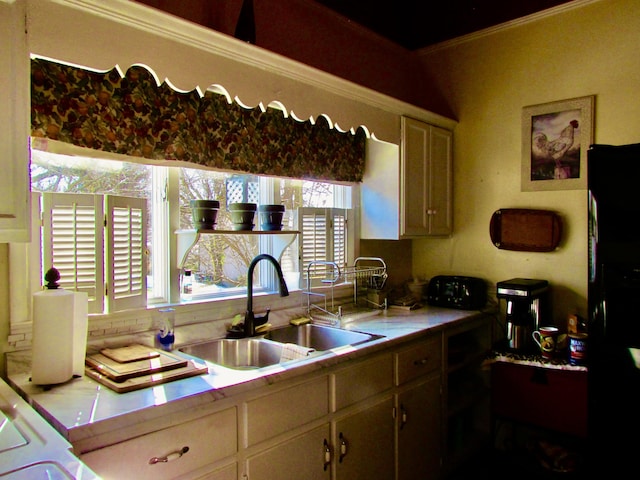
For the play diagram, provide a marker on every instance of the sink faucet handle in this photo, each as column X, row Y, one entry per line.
column 261, row 319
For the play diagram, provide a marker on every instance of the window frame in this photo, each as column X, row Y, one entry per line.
column 165, row 193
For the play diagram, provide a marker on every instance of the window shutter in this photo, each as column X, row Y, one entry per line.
column 72, row 243
column 323, row 238
column 126, row 245
column 339, row 220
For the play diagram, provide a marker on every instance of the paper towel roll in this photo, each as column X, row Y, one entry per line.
column 80, row 329
column 53, row 319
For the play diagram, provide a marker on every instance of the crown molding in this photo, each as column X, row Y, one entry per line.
column 534, row 17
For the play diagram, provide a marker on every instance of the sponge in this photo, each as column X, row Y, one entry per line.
column 263, row 328
column 299, row 321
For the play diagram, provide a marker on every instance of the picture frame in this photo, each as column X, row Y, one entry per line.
column 555, row 139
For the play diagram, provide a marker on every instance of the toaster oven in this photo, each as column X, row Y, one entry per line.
column 454, row 291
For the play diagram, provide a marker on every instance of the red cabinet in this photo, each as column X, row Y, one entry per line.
column 546, row 397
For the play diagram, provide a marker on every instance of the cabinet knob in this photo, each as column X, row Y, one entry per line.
column 170, row 457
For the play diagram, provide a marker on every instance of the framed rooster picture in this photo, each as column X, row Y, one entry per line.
column 555, row 140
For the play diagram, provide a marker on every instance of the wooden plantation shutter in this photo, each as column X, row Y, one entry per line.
column 72, row 241
column 339, row 223
column 97, row 242
column 126, row 242
column 323, row 237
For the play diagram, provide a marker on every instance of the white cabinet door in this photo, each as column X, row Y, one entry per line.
column 419, row 431
column 426, row 180
column 306, row 456
column 14, row 117
column 364, row 443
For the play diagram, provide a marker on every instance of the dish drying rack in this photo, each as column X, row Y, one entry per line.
column 367, row 273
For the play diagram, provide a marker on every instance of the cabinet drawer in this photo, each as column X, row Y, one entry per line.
column 361, row 381
column 549, row 398
column 281, row 411
column 209, row 439
column 419, row 359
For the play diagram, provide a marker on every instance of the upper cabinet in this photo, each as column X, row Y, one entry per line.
column 407, row 189
column 425, row 180
column 14, row 116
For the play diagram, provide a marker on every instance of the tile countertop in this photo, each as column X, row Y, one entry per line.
column 82, row 408
column 35, row 450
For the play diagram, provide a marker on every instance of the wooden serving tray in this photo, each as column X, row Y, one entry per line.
column 191, row 369
column 120, row 372
column 525, row 230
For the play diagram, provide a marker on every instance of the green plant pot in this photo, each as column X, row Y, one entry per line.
column 242, row 215
column 204, row 213
column 271, row 217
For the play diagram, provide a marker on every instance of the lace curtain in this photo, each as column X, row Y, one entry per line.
column 135, row 116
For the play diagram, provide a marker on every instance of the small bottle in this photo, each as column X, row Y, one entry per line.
column 165, row 338
column 187, row 285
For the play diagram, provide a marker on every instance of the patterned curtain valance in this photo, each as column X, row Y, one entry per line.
column 134, row 116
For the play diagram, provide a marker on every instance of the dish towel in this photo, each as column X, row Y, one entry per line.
column 291, row 351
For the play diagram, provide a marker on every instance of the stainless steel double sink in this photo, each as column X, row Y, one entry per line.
column 280, row 345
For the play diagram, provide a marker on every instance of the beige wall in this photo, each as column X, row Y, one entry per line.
column 592, row 50
column 4, row 302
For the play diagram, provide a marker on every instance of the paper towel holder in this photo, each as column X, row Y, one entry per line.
column 51, row 277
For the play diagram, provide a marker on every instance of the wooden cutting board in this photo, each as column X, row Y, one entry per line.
column 120, row 372
column 191, row 369
column 130, row 353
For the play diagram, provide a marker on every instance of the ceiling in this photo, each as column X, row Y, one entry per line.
column 415, row 24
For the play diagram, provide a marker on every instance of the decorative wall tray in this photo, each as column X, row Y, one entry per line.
column 525, row 230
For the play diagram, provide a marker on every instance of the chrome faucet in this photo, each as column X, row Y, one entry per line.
column 251, row 321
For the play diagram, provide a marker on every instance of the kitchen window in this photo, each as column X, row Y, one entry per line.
column 218, row 263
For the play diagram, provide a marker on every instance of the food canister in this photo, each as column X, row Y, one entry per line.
column 578, row 348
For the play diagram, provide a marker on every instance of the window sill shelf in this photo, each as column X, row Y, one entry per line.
column 188, row 238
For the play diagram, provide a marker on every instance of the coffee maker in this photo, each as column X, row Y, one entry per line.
column 526, row 308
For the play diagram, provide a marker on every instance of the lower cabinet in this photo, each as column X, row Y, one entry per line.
column 419, row 431
column 363, row 443
column 466, row 392
column 306, row 456
column 378, row 417
column 418, row 409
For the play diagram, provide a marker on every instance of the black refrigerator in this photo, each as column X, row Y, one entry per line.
column 614, row 309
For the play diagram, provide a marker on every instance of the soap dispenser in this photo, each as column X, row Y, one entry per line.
column 165, row 338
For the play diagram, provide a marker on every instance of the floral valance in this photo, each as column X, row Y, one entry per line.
column 135, row 116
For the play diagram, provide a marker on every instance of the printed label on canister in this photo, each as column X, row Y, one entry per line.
column 577, row 348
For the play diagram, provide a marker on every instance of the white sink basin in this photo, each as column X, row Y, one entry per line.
column 45, row 470
column 10, row 437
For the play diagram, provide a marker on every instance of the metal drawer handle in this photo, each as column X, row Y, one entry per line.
column 423, row 361
column 343, row 448
column 327, row 455
column 403, row 417
column 170, row 457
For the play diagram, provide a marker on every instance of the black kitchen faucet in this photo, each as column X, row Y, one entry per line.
column 251, row 321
